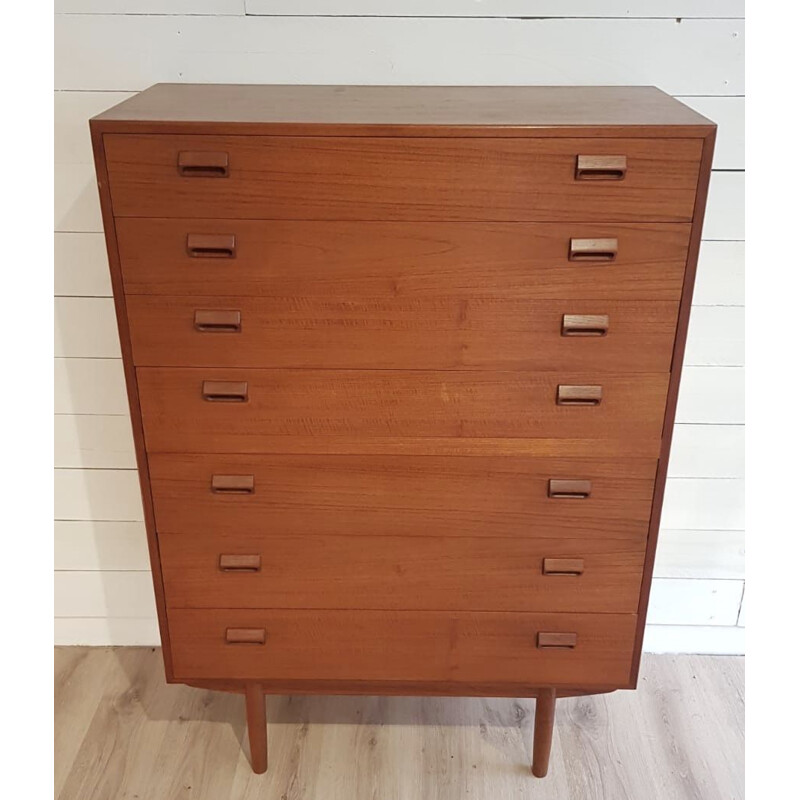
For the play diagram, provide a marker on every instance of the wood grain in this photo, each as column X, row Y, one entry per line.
column 410, row 403
column 402, row 646
column 353, row 260
column 402, row 288
column 359, row 110
column 397, row 572
column 132, row 389
column 122, row 732
column 674, row 388
column 340, row 178
column 445, row 333
column 401, row 496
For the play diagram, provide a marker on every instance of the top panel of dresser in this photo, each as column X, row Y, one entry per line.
column 640, row 111
column 416, row 154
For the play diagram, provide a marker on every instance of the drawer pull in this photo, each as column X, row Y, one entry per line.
column 579, row 395
column 562, row 566
column 245, row 635
column 556, row 641
column 211, row 245
column 601, row 168
column 225, row 391
column 208, row 321
column 231, row 562
column 194, row 164
column 604, row 250
column 584, row 325
column 233, row 484
column 569, row 489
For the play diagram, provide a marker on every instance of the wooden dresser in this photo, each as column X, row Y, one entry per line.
column 402, row 365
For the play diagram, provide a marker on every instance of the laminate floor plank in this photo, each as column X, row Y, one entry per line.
column 121, row 732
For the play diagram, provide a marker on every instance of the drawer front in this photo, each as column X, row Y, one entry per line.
column 188, row 410
column 502, row 496
column 401, row 260
column 445, row 333
column 395, row 178
column 253, row 570
column 402, row 646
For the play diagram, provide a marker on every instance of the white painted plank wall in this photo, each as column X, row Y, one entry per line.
column 107, row 49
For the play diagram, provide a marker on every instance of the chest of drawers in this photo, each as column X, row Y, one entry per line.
column 402, row 366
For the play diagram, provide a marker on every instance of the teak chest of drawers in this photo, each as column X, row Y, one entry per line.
column 402, row 366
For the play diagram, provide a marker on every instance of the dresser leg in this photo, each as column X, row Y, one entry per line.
column 256, row 726
column 543, row 731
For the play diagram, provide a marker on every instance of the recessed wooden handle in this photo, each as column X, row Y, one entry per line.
column 225, row 391
column 196, row 164
column 217, row 321
column 233, row 484
column 211, row 245
column 246, row 635
column 556, row 641
column 568, row 395
column 562, row 566
column 234, row 562
column 584, row 325
column 604, row 250
column 601, row 168
column 569, row 489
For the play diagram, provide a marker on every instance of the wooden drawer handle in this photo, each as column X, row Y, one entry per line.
column 604, row 250
column 556, row 641
column 568, row 395
column 562, row 566
column 214, row 321
column 225, row 391
column 584, row 325
column 194, row 164
column 245, row 635
column 569, row 489
column 232, row 562
column 233, row 484
column 601, row 168
column 211, row 245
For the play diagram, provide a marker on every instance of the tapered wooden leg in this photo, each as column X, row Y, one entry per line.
column 256, row 726
column 543, row 731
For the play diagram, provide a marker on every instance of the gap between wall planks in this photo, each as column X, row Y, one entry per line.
column 101, row 439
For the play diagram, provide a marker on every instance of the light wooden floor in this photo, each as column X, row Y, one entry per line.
column 121, row 732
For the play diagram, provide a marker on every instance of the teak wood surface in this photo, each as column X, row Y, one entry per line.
column 342, row 315
column 320, row 178
column 402, row 496
column 447, row 333
column 439, row 646
column 396, row 572
column 386, row 260
column 412, row 403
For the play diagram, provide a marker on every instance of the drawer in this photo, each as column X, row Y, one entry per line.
column 247, row 569
column 240, row 410
column 402, row 646
column 424, row 333
column 296, row 495
column 397, row 178
column 351, row 260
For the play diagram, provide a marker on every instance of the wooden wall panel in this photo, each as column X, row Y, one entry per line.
column 138, row 50
column 81, row 265
column 694, row 602
column 94, row 545
column 700, row 554
column 686, row 9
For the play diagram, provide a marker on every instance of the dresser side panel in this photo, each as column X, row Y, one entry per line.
column 672, row 394
column 132, row 391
